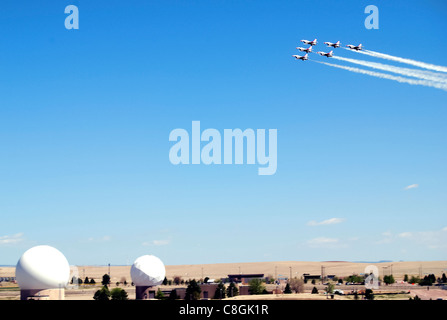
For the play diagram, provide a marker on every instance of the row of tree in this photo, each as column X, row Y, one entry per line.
column 193, row 292
column 428, row 280
column 115, row 294
column 79, row 280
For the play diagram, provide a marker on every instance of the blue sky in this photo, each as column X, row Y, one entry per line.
column 85, row 117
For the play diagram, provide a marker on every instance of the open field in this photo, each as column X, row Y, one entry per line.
column 278, row 269
column 283, row 268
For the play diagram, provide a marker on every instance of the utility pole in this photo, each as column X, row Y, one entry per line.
column 290, row 273
column 322, row 273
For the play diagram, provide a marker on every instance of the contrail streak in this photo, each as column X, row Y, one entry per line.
column 415, row 63
column 400, row 79
column 426, row 75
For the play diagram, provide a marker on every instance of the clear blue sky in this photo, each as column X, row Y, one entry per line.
column 85, row 117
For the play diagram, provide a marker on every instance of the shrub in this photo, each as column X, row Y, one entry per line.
column 159, row 295
column 232, row 290
column 256, row 286
column 105, row 280
column 369, row 294
column 388, row 279
column 330, row 288
column 119, row 294
column 193, row 291
column 220, row 291
column 297, row 285
column 102, row 294
column 177, row 280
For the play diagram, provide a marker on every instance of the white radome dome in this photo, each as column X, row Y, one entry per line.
column 42, row 267
column 148, row 270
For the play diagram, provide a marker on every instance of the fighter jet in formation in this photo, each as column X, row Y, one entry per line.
column 312, row 43
column 324, row 54
column 335, row 45
column 307, row 50
column 301, row 57
column 329, row 54
column 356, row 48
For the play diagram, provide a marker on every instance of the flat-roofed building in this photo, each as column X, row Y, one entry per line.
column 244, row 279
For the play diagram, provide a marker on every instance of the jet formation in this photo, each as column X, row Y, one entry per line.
column 329, row 54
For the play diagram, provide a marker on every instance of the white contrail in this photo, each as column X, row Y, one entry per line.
column 400, row 79
column 426, row 75
column 415, row 63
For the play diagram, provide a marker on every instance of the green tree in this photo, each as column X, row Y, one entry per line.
column 428, row 280
column 315, row 290
column 443, row 278
column 105, row 280
column 86, row 280
column 160, row 295
column 414, row 279
column 206, row 279
column 389, row 279
column 118, row 294
column 165, row 281
column 92, row 281
column 369, row 295
column 193, row 291
column 232, row 290
column 355, row 279
column 287, row 289
column 102, row 294
column 330, row 288
column 256, row 286
column 220, row 291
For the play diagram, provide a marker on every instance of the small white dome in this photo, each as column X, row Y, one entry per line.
column 147, row 270
column 42, row 267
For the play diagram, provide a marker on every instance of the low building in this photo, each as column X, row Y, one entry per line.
column 208, row 291
column 244, row 279
column 311, row 277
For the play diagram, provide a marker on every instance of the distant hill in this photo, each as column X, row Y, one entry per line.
column 380, row 261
